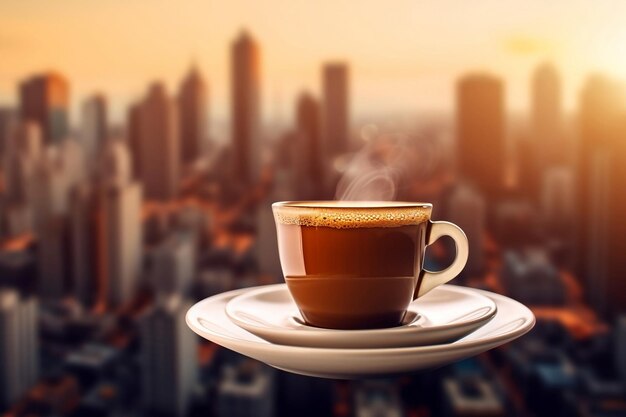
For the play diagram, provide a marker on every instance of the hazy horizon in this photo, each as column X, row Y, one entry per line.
column 397, row 65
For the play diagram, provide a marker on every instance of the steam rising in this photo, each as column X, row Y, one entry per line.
column 377, row 185
column 385, row 161
column 371, row 173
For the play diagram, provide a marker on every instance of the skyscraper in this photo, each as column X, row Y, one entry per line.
column 174, row 264
column 19, row 346
column 192, row 107
column 23, row 153
column 601, row 205
column 45, row 99
column 158, row 145
column 51, row 188
column 308, row 156
column 52, row 259
column 597, row 246
column 72, row 161
column 168, row 352
column 335, row 110
column 85, row 239
column 121, row 226
column 133, row 137
column 547, row 115
column 50, row 224
column 545, row 146
column 94, row 124
column 246, row 112
column 8, row 119
column 480, row 122
column 21, row 161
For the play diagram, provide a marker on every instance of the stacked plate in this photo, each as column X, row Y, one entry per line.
column 448, row 324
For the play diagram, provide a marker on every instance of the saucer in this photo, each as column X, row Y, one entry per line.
column 208, row 319
column 443, row 315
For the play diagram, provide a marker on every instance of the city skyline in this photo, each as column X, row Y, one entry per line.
column 400, row 70
column 142, row 145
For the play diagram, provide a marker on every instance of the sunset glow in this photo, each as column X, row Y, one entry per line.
column 404, row 54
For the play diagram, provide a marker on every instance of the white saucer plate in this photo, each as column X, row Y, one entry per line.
column 208, row 319
column 443, row 315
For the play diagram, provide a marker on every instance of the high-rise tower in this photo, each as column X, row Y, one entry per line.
column 19, row 345
column 120, row 226
column 45, row 99
column 601, row 204
column 159, row 145
column 192, row 108
column 335, row 110
column 168, row 349
column 246, row 113
column 481, row 132
column 94, row 124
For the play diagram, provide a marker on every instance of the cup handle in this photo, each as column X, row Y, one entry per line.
column 429, row 279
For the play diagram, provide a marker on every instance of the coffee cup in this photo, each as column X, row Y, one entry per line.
column 358, row 265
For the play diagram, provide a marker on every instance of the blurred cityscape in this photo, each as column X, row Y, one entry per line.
column 110, row 232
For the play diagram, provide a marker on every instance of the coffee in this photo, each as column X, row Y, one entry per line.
column 351, row 265
column 358, row 265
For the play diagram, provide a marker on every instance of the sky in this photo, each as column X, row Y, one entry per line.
column 404, row 55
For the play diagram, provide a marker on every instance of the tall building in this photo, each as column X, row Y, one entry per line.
column 72, row 161
column 307, row 157
column 480, row 122
column 133, row 137
column 44, row 99
column 22, row 156
column 547, row 115
column 192, row 107
column 8, row 119
column 545, row 147
column 53, row 259
column 467, row 208
column 168, row 352
column 174, row 264
column 600, row 206
column 51, row 188
column 121, row 226
column 246, row 108
column 50, row 224
column 158, row 145
column 335, row 110
column 19, row 346
column 84, row 237
column 597, row 225
column 94, row 124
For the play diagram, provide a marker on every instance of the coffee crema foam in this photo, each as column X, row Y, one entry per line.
column 350, row 215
